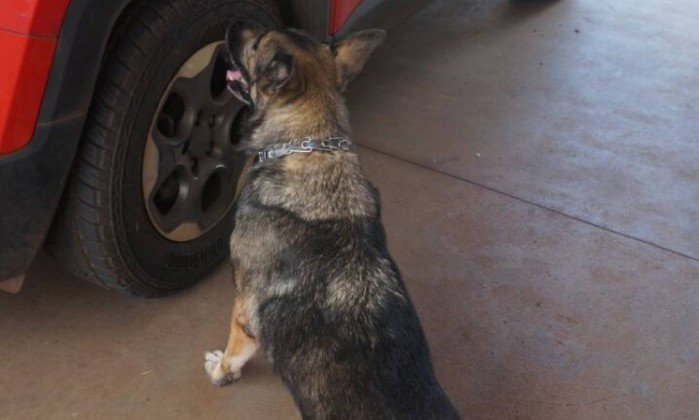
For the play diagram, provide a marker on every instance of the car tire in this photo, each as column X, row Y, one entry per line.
column 103, row 232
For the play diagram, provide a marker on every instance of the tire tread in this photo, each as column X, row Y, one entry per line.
column 82, row 235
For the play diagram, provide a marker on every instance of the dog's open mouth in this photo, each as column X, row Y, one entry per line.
column 238, row 85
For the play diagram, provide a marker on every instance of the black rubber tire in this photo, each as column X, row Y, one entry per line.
column 102, row 232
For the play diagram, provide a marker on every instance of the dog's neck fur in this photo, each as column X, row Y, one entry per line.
column 314, row 115
column 319, row 185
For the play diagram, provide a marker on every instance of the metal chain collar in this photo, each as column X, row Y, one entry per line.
column 308, row 145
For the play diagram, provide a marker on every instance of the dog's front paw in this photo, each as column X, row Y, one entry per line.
column 214, row 369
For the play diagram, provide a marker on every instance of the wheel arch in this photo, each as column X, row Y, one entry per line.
column 90, row 28
column 33, row 178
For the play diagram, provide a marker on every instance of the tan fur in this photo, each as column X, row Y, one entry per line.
column 337, row 172
column 240, row 338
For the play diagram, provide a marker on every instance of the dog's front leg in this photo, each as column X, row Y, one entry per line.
column 224, row 367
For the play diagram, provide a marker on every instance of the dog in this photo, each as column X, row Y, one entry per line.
column 317, row 290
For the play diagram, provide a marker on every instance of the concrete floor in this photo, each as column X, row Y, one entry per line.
column 539, row 169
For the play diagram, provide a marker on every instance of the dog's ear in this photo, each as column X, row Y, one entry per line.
column 353, row 52
column 280, row 70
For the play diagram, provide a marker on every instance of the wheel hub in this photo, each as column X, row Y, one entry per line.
column 190, row 164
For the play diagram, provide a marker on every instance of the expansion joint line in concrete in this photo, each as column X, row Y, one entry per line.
column 524, row 200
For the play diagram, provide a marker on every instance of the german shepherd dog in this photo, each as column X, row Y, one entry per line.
column 316, row 287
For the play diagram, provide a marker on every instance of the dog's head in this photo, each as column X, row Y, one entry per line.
column 275, row 67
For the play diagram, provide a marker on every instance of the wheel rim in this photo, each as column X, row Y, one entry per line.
column 190, row 163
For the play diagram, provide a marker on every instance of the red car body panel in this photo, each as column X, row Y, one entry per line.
column 28, row 35
column 340, row 10
column 33, row 17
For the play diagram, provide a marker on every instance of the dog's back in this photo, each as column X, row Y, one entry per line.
column 343, row 334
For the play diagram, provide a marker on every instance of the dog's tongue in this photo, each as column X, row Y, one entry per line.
column 234, row 75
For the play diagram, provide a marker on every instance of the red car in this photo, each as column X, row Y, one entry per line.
column 118, row 137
